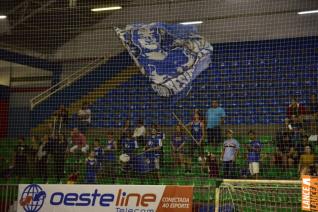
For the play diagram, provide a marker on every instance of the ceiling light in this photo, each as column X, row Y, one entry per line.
column 100, row 9
column 191, row 22
column 3, row 17
column 307, row 12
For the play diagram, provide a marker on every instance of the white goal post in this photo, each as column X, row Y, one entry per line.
column 258, row 195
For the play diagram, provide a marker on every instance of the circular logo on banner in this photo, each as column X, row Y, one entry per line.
column 32, row 198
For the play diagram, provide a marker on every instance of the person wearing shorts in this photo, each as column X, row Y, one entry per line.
column 254, row 154
column 196, row 141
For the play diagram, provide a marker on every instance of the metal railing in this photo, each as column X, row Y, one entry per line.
column 66, row 82
column 8, row 198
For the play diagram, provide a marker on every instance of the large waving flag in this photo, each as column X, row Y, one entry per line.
column 170, row 55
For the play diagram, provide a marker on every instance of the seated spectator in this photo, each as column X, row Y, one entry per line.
column 78, row 141
column 254, row 154
column 213, row 166
column 73, row 177
column 84, row 118
column 300, row 148
column 91, row 168
column 140, row 133
column 152, row 152
column 177, row 143
column 306, row 160
column 283, row 150
column 295, row 113
column 229, row 154
column 110, row 162
column 20, row 159
column 42, row 157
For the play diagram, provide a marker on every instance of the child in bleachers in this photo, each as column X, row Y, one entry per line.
column 306, row 161
column 283, row 146
column 128, row 148
column 152, row 152
column 213, row 166
column 254, row 154
column 91, row 168
column 177, row 144
column 99, row 155
column 110, row 161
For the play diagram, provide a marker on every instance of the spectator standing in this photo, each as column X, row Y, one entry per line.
column 32, row 158
column 215, row 118
column 42, row 157
column 254, row 154
column 140, row 133
column 196, row 142
column 84, row 118
column 229, row 154
column 60, row 121
column 20, row 159
column 177, row 144
column 110, row 161
column 295, row 113
column 91, row 168
column 152, row 152
column 313, row 113
column 59, row 151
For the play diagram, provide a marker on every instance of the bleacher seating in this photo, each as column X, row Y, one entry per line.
column 253, row 81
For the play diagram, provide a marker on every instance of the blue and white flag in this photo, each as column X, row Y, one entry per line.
column 170, row 55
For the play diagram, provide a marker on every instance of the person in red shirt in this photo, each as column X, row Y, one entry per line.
column 295, row 113
column 78, row 141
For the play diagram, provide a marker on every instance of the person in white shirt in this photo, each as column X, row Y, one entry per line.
column 140, row 133
column 84, row 118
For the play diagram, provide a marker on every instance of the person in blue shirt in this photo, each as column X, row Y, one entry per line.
column 177, row 143
column 91, row 168
column 152, row 152
column 128, row 147
column 196, row 141
column 99, row 153
column 214, row 119
column 229, row 154
column 110, row 161
column 254, row 154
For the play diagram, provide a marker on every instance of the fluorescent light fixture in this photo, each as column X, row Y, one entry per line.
column 3, row 17
column 307, row 12
column 100, row 9
column 191, row 22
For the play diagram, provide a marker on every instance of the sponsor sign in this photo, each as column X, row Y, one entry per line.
column 95, row 198
column 309, row 194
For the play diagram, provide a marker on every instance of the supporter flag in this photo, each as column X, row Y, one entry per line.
column 170, row 55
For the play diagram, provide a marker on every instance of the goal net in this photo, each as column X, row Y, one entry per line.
column 259, row 195
column 177, row 92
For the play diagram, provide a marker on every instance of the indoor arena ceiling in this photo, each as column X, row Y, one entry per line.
column 45, row 25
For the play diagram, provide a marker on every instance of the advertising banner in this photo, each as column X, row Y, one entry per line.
column 95, row 198
column 309, row 194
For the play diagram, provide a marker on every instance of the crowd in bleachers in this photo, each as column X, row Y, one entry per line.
column 138, row 151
